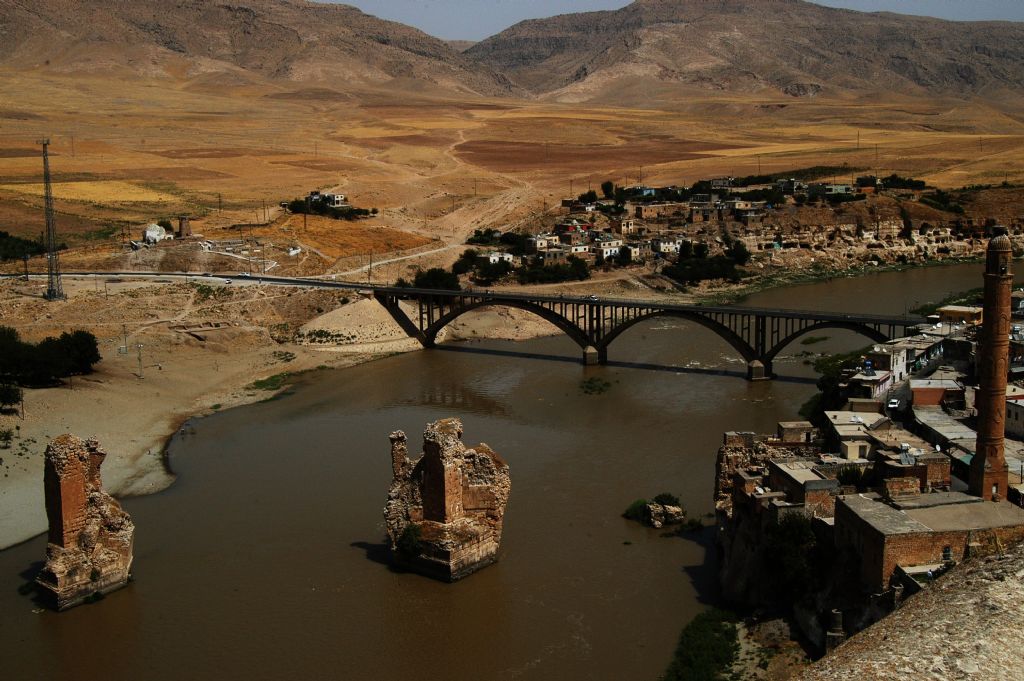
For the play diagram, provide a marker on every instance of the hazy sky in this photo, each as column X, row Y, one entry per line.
column 477, row 19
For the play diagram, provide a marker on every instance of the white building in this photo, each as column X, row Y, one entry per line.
column 154, row 233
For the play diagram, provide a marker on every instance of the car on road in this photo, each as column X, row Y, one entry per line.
column 243, row 274
column 591, row 297
column 893, row 404
column 227, row 281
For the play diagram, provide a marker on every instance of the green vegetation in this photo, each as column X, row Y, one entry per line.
column 636, row 511
column 970, row 297
column 6, row 437
column 944, row 201
column 300, row 206
column 536, row 272
column 410, row 543
column 830, row 369
column 706, row 648
column 216, row 406
column 594, row 385
column 666, row 499
column 283, row 356
column 274, row 382
column 46, row 362
column 436, row 278
column 852, row 475
column 16, row 248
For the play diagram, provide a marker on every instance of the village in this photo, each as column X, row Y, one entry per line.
column 898, row 477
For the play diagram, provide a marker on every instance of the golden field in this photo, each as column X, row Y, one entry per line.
column 128, row 152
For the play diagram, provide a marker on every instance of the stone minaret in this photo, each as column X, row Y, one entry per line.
column 988, row 477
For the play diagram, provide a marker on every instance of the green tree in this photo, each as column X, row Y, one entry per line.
column 608, row 189
column 10, row 395
column 437, row 278
column 739, row 253
column 700, row 250
column 588, row 196
column 82, row 351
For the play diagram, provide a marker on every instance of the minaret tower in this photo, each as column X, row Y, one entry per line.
column 988, row 478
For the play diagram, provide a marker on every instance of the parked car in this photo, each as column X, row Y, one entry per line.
column 894, row 403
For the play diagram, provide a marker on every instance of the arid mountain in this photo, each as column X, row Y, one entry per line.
column 336, row 45
column 792, row 46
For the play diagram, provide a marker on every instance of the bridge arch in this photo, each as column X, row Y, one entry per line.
column 741, row 346
column 857, row 327
column 578, row 335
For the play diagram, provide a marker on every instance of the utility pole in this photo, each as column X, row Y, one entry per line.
column 138, row 346
column 570, row 187
column 369, row 270
column 759, row 164
column 858, row 140
column 25, row 258
column 220, row 203
column 265, row 218
column 54, row 289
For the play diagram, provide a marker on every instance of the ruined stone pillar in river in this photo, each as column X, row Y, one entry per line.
column 445, row 511
column 89, row 547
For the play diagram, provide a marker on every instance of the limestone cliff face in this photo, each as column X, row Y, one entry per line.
column 90, row 538
column 445, row 510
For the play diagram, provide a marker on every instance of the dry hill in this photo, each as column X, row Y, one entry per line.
column 794, row 46
column 229, row 43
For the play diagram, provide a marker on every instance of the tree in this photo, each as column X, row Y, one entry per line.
column 739, row 253
column 608, row 189
column 588, row 197
column 686, row 250
column 81, row 350
column 10, row 395
column 437, row 278
column 165, row 223
column 700, row 250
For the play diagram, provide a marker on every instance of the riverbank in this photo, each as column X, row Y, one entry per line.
column 202, row 351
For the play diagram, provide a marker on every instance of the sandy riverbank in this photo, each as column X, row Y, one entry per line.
column 201, row 352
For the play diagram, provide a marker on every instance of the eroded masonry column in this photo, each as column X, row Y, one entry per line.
column 89, row 547
column 988, row 474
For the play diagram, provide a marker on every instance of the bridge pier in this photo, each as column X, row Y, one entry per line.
column 759, row 371
column 593, row 356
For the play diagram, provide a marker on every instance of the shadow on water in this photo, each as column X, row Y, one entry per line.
column 29, row 588
column 703, row 576
column 378, row 553
column 643, row 366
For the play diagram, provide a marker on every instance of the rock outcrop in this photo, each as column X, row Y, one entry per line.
column 89, row 550
column 445, row 510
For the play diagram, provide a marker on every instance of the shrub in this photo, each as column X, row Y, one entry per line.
column 666, row 499
column 437, row 278
column 636, row 511
column 409, row 544
column 706, row 648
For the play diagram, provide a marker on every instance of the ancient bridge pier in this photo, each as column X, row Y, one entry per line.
column 757, row 334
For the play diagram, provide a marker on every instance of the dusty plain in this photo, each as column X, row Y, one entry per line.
column 127, row 152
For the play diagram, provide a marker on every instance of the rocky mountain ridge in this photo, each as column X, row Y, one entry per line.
column 792, row 46
column 291, row 40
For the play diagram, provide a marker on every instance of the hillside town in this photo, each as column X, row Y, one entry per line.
column 909, row 477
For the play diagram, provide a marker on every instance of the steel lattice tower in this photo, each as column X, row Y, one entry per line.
column 54, row 289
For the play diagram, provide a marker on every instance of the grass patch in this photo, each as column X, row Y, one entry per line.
column 594, row 386
column 215, row 407
column 274, row 382
column 706, row 648
column 636, row 511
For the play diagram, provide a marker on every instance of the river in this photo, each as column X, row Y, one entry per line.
column 265, row 560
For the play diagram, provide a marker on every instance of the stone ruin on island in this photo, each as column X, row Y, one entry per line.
column 89, row 549
column 444, row 511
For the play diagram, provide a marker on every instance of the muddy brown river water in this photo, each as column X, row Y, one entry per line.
column 265, row 560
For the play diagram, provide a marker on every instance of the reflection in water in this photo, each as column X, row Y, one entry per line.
column 264, row 560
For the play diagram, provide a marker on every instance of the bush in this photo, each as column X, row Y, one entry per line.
column 706, row 648
column 409, row 544
column 793, row 561
column 636, row 511
column 10, row 395
column 437, row 278
column 15, row 248
column 666, row 499
column 47, row 361
column 537, row 273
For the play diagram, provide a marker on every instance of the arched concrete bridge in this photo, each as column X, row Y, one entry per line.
column 757, row 334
